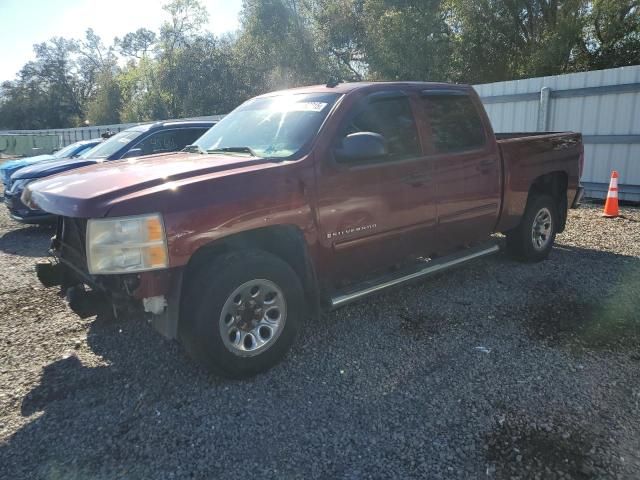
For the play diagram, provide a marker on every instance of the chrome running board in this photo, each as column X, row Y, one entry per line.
column 431, row 267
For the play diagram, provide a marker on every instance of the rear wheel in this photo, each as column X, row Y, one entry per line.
column 533, row 239
column 241, row 313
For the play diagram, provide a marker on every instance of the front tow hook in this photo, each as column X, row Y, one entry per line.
column 86, row 303
column 49, row 274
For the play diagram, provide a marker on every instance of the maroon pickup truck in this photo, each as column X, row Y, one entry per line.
column 299, row 201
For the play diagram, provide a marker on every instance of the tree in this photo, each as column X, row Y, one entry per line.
column 136, row 44
column 278, row 46
column 188, row 17
column 46, row 90
column 104, row 106
column 611, row 37
column 142, row 96
column 507, row 39
column 406, row 39
column 340, row 30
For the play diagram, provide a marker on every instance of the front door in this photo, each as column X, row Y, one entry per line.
column 375, row 212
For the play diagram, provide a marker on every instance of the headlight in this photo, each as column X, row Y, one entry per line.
column 18, row 185
column 127, row 244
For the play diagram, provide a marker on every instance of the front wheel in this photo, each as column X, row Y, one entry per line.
column 533, row 239
column 240, row 313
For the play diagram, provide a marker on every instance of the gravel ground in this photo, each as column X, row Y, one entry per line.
column 496, row 370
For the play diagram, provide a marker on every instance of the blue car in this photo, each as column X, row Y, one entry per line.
column 154, row 138
column 70, row 151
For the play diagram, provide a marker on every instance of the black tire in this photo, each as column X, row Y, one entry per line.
column 520, row 241
column 207, row 292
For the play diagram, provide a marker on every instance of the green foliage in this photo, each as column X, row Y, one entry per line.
column 104, row 106
column 182, row 70
column 508, row 39
column 612, row 35
column 407, row 39
column 277, row 42
column 142, row 98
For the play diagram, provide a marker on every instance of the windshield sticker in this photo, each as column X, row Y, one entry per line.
column 307, row 107
column 298, row 107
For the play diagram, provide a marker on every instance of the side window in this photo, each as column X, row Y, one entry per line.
column 170, row 140
column 393, row 119
column 455, row 123
column 82, row 149
column 189, row 135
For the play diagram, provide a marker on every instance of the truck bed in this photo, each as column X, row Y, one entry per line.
column 528, row 156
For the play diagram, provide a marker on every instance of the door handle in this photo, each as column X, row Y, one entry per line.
column 485, row 165
column 418, row 180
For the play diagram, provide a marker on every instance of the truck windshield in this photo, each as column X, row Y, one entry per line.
column 115, row 143
column 278, row 126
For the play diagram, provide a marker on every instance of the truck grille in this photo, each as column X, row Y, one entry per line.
column 72, row 235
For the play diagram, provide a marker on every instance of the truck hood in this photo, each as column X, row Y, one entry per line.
column 93, row 191
column 52, row 167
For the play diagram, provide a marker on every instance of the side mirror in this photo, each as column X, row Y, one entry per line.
column 362, row 146
column 134, row 152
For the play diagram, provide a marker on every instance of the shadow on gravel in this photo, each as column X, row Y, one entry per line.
column 561, row 311
column 518, row 449
column 62, row 379
column 28, row 241
column 421, row 325
column 89, row 418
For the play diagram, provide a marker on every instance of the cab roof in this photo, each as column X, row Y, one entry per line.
column 344, row 88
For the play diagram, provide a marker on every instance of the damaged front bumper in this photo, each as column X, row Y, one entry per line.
column 153, row 294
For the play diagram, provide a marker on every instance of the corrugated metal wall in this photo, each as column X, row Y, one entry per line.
column 603, row 105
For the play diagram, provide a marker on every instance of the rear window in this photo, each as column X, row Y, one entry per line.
column 455, row 123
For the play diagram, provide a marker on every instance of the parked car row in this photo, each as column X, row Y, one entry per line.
column 141, row 140
column 295, row 202
column 70, row 151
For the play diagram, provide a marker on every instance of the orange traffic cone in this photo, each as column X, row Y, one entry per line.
column 611, row 205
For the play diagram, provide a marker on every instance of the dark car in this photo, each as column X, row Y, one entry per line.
column 154, row 138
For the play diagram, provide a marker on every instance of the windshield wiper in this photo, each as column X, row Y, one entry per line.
column 194, row 149
column 233, row 150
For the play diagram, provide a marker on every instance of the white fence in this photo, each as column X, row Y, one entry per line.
column 603, row 105
column 68, row 136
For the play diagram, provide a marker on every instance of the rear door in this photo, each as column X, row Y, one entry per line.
column 375, row 212
column 466, row 166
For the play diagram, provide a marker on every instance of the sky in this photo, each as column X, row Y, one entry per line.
column 26, row 22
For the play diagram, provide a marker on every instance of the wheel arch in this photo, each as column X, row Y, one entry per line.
column 286, row 242
column 555, row 184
